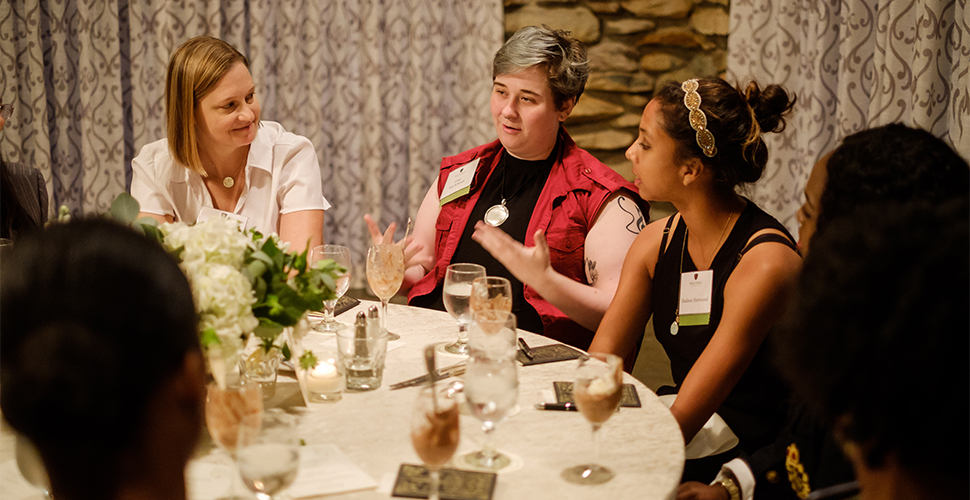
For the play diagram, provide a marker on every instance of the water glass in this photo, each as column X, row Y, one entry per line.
column 268, row 454
column 362, row 358
column 492, row 391
column 493, row 334
column 456, row 294
column 341, row 256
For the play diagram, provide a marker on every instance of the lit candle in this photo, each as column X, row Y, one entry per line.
column 325, row 379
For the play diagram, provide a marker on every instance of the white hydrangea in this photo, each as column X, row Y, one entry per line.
column 212, row 256
column 215, row 241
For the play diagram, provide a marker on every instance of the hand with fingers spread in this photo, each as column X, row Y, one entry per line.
column 529, row 265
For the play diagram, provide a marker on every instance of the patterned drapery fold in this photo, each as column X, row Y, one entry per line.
column 382, row 88
column 853, row 64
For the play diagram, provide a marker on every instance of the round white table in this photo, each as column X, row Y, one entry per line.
column 643, row 446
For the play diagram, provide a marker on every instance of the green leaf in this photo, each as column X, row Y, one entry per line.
column 287, row 354
column 208, row 337
column 125, row 208
column 308, row 360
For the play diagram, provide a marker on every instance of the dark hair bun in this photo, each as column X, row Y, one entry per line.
column 770, row 106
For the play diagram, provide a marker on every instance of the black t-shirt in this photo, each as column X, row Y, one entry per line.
column 521, row 183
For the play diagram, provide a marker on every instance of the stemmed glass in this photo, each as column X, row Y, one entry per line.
column 385, row 273
column 225, row 410
column 268, row 454
column 491, row 293
column 597, row 391
column 340, row 255
column 456, row 295
column 435, row 432
column 491, row 381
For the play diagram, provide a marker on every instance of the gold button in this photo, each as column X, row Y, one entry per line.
column 771, row 476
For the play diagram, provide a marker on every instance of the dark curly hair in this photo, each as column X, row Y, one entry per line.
column 891, row 163
column 878, row 339
column 736, row 117
column 96, row 318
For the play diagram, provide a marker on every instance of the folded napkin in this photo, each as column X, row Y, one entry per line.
column 714, row 438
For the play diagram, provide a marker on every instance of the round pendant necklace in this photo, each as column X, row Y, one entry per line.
column 228, row 182
column 497, row 214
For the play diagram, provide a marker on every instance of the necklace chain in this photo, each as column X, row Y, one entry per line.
column 675, row 326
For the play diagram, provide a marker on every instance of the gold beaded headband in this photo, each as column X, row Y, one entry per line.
column 697, row 118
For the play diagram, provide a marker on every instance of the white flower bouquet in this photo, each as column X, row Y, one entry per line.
column 242, row 282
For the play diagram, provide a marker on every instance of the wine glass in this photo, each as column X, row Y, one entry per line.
column 456, row 294
column 491, row 383
column 225, row 410
column 385, row 272
column 435, row 432
column 597, row 390
column 491, row 293
column 340, row 255
column 268, row 454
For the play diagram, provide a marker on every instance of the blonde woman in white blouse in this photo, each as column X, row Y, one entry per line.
column 219, row 156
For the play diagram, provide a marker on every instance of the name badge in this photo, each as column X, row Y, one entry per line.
column 459, row 182
column 696, row 289
column 208, row 212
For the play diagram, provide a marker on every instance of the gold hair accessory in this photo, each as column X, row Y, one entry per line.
column 697, row 118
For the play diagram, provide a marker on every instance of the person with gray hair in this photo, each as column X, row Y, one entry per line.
column 531, row 206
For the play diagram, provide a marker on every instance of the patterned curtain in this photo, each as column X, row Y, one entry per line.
column 854, row 64
column 383, row 89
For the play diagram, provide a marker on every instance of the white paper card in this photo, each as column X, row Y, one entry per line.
column 695, row 292
column 208, row 212
column 325, row 470
column 459, row 182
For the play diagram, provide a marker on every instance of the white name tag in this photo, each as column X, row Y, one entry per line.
column 459, row 182
column 696, row 290
column 208, row 212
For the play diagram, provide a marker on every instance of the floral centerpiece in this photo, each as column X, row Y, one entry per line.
column 242, row 281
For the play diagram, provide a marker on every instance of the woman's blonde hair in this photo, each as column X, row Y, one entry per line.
column 195, row 69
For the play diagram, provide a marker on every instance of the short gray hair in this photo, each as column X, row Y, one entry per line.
column 564, row 58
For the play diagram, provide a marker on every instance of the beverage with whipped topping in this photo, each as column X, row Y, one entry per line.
column 599, row 397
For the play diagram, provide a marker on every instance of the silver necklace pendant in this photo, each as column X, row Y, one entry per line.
column 674, row 328
column 496, row 215
column 228, row 182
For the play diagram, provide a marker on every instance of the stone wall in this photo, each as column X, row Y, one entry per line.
column 633, row 46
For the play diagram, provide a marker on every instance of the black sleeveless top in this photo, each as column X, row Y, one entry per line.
column 755, row 408
column 523, row 181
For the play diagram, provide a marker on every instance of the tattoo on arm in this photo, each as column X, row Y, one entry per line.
column 591, row 271
column 637, row 222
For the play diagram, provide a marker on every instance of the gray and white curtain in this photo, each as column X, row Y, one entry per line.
column 854, row 64
column 383, row 89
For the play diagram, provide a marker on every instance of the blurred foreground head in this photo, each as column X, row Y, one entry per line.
column 99, row 358
column 878, row 343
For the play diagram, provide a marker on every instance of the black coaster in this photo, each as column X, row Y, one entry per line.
column 548, row 354
column 344, row 304
column 630, row 398
column 412, row 482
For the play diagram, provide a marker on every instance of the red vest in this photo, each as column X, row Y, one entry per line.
column 578, row 185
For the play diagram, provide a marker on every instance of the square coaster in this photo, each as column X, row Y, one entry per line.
column 344, row 304
column 412, row 482
column 548, row 354
column 630, row 398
